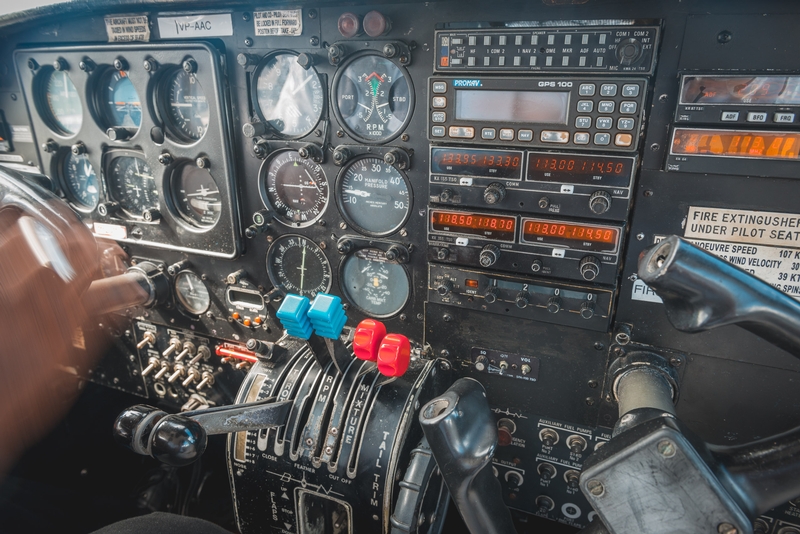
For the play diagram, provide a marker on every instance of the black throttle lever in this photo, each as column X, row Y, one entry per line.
column 179, row 439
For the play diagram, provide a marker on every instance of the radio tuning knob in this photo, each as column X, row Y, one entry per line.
column 589, row 268
column 599, row 202
column 494, row 193
column 522, row 299
column 587, row 309
column 489, row 255
column 491, row 295
column 536, row 266
column 446, row 195
column 442, row 254
column 445, row 287
column 554, row 304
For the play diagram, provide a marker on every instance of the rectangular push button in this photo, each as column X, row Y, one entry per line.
column 783, row 117
column 437, row 131
column 488, row 133
column 506, row 134
column 439, row 102
column 461, row 132
column 525, row 135
column 756, row 116
column 729, row 116
column 549, row 136
column 439, row 87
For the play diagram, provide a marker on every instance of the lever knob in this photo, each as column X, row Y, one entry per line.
column 394, row 355
column 175, row 440
column 367, row 340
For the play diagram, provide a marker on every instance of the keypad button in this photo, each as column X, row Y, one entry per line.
column 581, row 138
column 439, row 87
column 606, row 106
column 585, row 106
column 438, row 116
column 756, row 116
column 488, row 133
column 604, row 123
column 623, row 139
column 525, row 135
column 628, row 108
column 625, row 124
column 783, row 117
column 506, row 134
column 549, row 136
column 437, row 131
column 602, row 139
column 630, row 90
column 729, row 116
column 439, row 102
column 461, row 132
column 583, row 122
column 608, row 89
column 586, row 89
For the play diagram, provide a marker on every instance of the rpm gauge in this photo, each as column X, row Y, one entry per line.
column 80, row 181
column 374, row 98
column 187, row 112
column 120, row 102
column 295, row 188
column 62, row 107
column 295, row 264
column 373, row 196
column 192, row 293
column 132, row 185
column 289, row 97
column 376, row 285
column 196, row 195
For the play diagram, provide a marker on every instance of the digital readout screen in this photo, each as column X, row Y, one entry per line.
column 574, row 236
column 746, row 90
column 736, row 144
column 246, row 299
column 595, row 170
column 505, row 164
column 532, row 107
column 488, row 226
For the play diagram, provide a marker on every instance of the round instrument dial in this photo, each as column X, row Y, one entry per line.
column 196, row 195
column 374, row 98
column 120, row 103
column 288, row 97
column 376, row 285
column 295, row 188
column 192, row 293
column 80, row 181
column 132, row 184
column 296, row 265
column 373, row 196
column 187, row 110
column 62, row 104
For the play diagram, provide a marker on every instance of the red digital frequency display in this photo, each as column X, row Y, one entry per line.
column 752, row 144
column 477, row 162
column 575, row 169
column 581, row 236
column 494, row 227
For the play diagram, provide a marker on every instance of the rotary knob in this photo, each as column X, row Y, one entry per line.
column 445, row 288
column 599, row 202
column 554, row 304
column 587, row 309
column 446, row 195
column 494, row 193
column 489, row 255
column 481, row 362
column 491, row 295
column 522, row 299
column 589, row 268
column 629, row 51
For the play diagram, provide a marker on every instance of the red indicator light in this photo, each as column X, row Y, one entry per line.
column 376, row 24
column 349, row 25
column 445, row 61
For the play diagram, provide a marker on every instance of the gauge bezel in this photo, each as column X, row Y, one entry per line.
column 335, row 102
column 99, row 105
column 262, row 190
column 346, row 294
column 108, row 158
column 168, row 193
column 43, row 109
column 61, row 165
column 346, row 216
column 275, row 280
column 160, row 98
column 254, row 94
column 182, row 305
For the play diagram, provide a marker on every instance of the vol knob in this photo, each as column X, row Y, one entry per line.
column 554, row 304
column 599, row 202
column 491, row 295
column 522, row 299
column 589, row 268
column 446, row 195
column 494, row 193
column 587, row 310
column 489, row 255
column 445, row 288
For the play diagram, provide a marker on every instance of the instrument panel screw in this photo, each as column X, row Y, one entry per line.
column 404, row 233
column 444, row 353
column 202, row 162
column 654, row 147
column 404, row 137
column 165, row 158
column 248, row 41
column 420, row 317
column 32, row 64
column 724, row 37
column 340, row 133
column 314, row 41
column 640, row 236
column 595, row 487
column 309, row 442
column 329, row 450
column 589, row 401
column 343, row 225
column 447, row 317
column 667, row 450
column 403, row 317
column 648, row 193
column 663, row 98
column 14, row 97
column 444, row 366
column 245, row 16
column 592, row 384
column 312, row 13
column 599, row 346
column 150, row 65
column 675, row 361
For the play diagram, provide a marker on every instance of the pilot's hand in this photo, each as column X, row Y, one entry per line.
column 43, row 272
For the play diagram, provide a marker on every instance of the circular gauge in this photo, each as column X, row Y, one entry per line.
column 132, row 185
column 296, row 265
column 374, row 98
column 187, row 107
column 192, row 292
column 120, row 104
column 288, row 96
column 196, row 195
column 376, row 285
column 62, row 104
column 373, row 196
column 295, row 188
column 80, row 181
